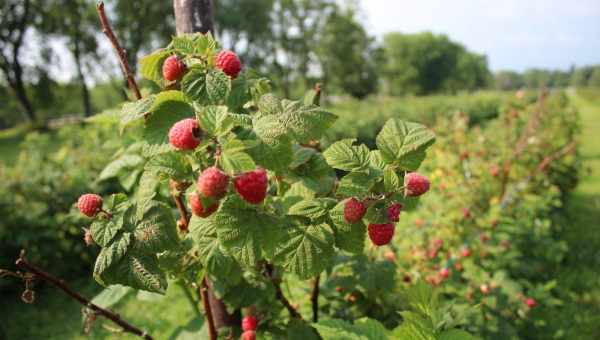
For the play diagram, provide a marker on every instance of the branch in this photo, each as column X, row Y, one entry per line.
column 107, row 30
column 314, row 298
column 279, row 293
column 556, row 155
column 212, row 332
column 177, row 189
column 58, row 283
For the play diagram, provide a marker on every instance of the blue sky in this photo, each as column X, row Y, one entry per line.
column 514, row 34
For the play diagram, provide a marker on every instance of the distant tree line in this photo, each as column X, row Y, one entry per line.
column 294, row 42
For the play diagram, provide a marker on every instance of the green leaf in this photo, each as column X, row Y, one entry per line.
column 148, row 184
column 218, row 86
column 193, row 85
column 344, row 156
column 455, row 334
column 372, row 329
column 403, row 143
column 215, row 120
column 195, row 43
column 315, row 174
column 301, row 156
column 391, row 181
column 356, row 184
column 133, row 112
column 305, row 123
column 112, row 254
column 170, row 165
column 234, row 159
column 137, row 270
column 157, row 229
column 306, row 250
column 336, row 329
column 151, row 66
column 246, row 232
column 104, row 231
column 126, row 163
column 348, row 237
column 269, row 104
column 169, row 107
column 275, row 152
column 111, row 295
column 313, row 208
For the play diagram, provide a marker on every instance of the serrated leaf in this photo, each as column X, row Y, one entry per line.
column 234, row 159
column 157, row 229
column 269, row 104
column 151, row 66
column 275, row 152
column 170, row 165
column 136, row 270
column 193, row 85
column 218, row 85
column 215, row 120
column 195, row 43
column 301, row 156
column 344, row 156
column 147, row 187
column 391, row 180
column 315, row 174
column 104, row 231
column 111, row 295
column 168, row 108
column 112, row 254
column 133, row 112
column 313, row 208
column 348, row 237
column 246, row 232
column 356, row 184
column 372, row 329
column 336, row 329
column 399, row 140
column 455, row 334
column 305, row 123
column 125, row 162
column 306, row 250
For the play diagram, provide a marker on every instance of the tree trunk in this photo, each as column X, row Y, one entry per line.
column 85, row 93
column 19, row 88
column 193, row 16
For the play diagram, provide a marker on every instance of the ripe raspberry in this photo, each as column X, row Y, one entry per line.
column 249, row 335
column 465, row 252
column 485, row 289
column 249, row 323
column 354, row 210
column 185, row 134
column 229, row 63
column 444, row 273
column 530, row 302
column 466, row 213
column 173, row 68
column 198, row 208
column 393, row 212
column 381, row 234
column 252, row 186
column 89, row 204
column 213, row 183
column 415, row 184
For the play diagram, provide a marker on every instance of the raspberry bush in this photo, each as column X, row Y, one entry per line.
column 266, row 202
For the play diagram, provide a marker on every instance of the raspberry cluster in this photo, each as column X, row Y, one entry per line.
column 249, row 325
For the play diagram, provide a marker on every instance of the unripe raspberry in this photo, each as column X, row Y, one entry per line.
column 252, row 186
column 249, row 323
column 173, row 68
column 198, row 208
column 530, row 302
column 465, row 252
column 229, row 63
column 444, row 273
column 212, row 183
column 381, row 234
column 185, row 134
column 393, row 212
column 354, row 210
column 89, row 204
column 249, row 335
column 415, row 184
column 390, row 256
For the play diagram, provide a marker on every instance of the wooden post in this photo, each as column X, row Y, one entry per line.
column 193, row 16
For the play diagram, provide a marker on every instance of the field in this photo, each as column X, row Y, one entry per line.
column 571, row 310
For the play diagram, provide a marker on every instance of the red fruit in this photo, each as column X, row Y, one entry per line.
column 173, row 68
column 252, row 186
column 212, row 183
column 185, row 134
column 415, row 184
column 381, row 234
column 89, row 204
column 494, row 170
column 249, row 323
column 464, row 155
column 354, row 210
column 444, row 273
column 249, row 335
column 485, row 289
column 466, row 213
column 229, row 63
column 465, row 252
column 484, row 238
column 438, row 243
column 393, row 212
column 390, row 256
column 419, row 223
column 530, row 302
column 198, row 208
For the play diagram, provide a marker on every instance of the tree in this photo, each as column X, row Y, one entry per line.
column 508, row 80
column 471, row 73
column 595, row 77
column 345, row 52
column 14, row 18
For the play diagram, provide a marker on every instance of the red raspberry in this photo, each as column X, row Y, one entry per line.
column 444, row 273
column 173, row 68
column 393, row 212
column 213, row 183
column 415, row 184
column 229, row 63
column 466, row 213
column 185, row 134
column 485, row 289
column 249, row 335
column 198, row 208
column 530, row 302
column 252, row 186
column 89, row 204
column 381, row 234
column 465, row 252
column 354, row 210
column 249, row 323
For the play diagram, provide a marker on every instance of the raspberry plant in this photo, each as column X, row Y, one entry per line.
column 277, row 205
